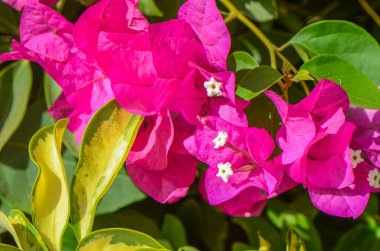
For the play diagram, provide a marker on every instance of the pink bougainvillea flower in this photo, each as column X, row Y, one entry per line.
column 173, row 65
column 19, row 4
column 364, row 153
column 315, row 138
column 239, row 178
column 46, row 38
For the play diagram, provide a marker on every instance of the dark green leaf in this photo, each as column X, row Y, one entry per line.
column 259, row 10
column 174, row 231
column 360, row 238
column 15, row 86
column 8, row 20
column 122, row 193
column 149, row 8
column 256, row 81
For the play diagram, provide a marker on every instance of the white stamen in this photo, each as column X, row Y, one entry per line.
column 225, row 171
column 247, row 214
column 356, row 157
column 213, row 87
column 220, row 140
column 374, row 178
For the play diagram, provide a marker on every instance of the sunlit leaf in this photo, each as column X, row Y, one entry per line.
column 294, row 242
column 119, row 239
column 50, row 197
column 345, row 40
column 259, row 10
column 5, row 247
column 28, row 236
column 15, row 86
column 106, row 143
column 360, row 89
column 5, row 223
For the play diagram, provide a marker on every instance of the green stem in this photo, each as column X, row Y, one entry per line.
column 272, row 49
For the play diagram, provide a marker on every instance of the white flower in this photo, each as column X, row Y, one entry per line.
column 374, row 178
column 213, row 87
column 220, row 140
column 356, row 157
column 225, row 171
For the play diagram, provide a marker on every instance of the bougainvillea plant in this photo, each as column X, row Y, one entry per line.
column 232, row 125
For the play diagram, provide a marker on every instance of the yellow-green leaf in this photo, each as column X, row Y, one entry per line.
column 106, row 143
column 118, row 239
column 5, row 247
column 293, row 242
column 50, row 196
column 28, row 236
column 5, row 223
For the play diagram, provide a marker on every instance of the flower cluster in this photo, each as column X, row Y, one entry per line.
column 174, row 73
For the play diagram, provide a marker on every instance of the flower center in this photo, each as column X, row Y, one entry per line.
column 225, row 171
column 374, row 178
column 356, row 157
column 213, row 87
column 220, row 140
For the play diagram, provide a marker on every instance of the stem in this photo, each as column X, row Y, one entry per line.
column 272, row 49
column 231, row 16
column 370, row 11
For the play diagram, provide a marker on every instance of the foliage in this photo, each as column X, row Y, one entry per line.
column 58, row 195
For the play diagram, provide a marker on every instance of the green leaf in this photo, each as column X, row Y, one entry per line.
column 345, row 40
column 106, row 143
column 360, row 89
column 17, row 172
column 122, row 193
column 174, row 231
column 256, row 81
column 8, row 20
column 15, row 86
column 238, row 246
column 69, row 240
column 130, row 219
column 253, row 226
column 149, row 8
column 188, row 248
column 28, row 236
column 119, row 239
column 360, row 237
column 259, row 10
column 50, row 195
column 293, row 242
column 52, row 92
column 5, row 247
column 5, row 223
column 302, row 75
column 241, row 60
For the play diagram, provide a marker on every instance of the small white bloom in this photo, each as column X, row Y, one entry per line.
column 225, row 171
column 374, row 178
column 213, row 87
column 220, row 140
column 356, row 157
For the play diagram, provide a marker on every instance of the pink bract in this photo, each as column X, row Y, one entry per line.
column 247, row 150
